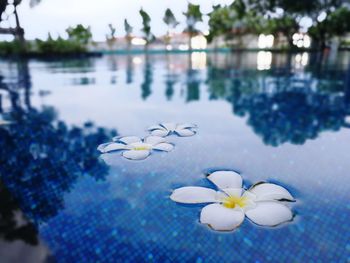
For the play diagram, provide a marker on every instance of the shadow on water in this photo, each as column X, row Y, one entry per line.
column 42, row 157
column 19, row 238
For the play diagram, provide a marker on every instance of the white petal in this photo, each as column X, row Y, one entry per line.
column 185, row 126
column 170, row 126
column 226, row 179
column 127, row 139
column 110, row 146
column 153, row 140
column 161, row 133
column 193, row 195
column 167, row 147
column 233, row 191
column 155, row 127
column 136, row 154
column 221, row 218
column 269, row 213
column 185, row 132
column 267, row 191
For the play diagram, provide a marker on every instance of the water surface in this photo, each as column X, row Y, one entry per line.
column 272, row 117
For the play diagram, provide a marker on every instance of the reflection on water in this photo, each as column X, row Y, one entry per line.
column 41, row 157
column 264, row 60
column 243, row 103
column 19, row 240
column 148, row 78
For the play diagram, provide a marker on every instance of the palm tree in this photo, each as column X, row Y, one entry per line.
column 146, row 29
column 193, row 15
column 128, row 31
column 170, row 20
column 111, row 38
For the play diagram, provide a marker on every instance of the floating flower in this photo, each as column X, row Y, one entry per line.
column 165, row 129
column 262, row 203
column 135, row 148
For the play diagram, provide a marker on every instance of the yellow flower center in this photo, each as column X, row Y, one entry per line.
column 234, row 201
column 141, row 148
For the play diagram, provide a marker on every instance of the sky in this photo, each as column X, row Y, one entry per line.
column 55, row 16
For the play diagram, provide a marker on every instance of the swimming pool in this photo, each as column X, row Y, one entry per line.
column 280, row 118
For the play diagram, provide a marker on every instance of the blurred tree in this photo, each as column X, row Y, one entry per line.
column 80, row 34
column 286, row 25
column 18, row 31
column 220, row 22
column 193, row 16
column 336, row 24
column 170, row 20
column 111, row 38
column 33, row 3
column 3, row 5
column 146, row 29
column 128, row 31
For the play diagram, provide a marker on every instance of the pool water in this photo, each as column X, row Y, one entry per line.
column 280, row 118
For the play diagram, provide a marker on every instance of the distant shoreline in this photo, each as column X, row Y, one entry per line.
column 99, row 53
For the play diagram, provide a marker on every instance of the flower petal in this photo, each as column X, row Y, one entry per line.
column 159, row 132
column 226, row 179
column 269, row 213
column 233, row 191
column 153, row 140
column 185, row 126
column 184, row 132
column 136, row 154
column 221, row 218
column 155, row 127
column 268, row 191
column 127, row 139
column 193, row 195
column 170, row 126
column 167, row 147
column 110, row 146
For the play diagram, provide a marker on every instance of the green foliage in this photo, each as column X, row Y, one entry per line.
column 111, row 38
column 193, row 16
column 127, row 27
column 59, row 46
column 128, row 30
column 339, row 21
column 169, row 18
column 221, row 20
column 286, row 25
column 12, row 48
column 280, row 17
column 79, row 34
column 233, row 21
column 112, row 31
column 78, row 39
column 146, row 29
column 336, row 24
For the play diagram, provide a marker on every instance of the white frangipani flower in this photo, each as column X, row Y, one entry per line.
column 135, row 148
column 262, row 203
column 165, row 129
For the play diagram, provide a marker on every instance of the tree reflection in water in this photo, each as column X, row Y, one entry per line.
column 146, row 86
column 280, row 105
column 41, row 158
